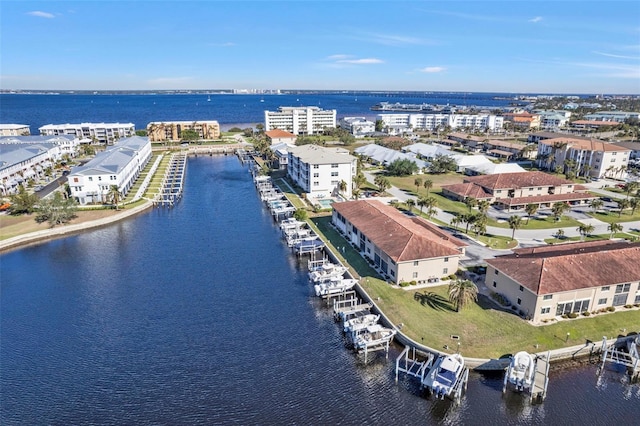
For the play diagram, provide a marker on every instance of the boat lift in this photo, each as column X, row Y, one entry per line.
column 623, row 352
column 412, row 366
column 538, row 389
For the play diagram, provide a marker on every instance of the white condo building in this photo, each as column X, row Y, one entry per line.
column 68, row 144
column 119, row 165
column 617, row 116
column 105, row 133
column 14, row 130
column 20, row 162
column 300, row 120
column 434, row 121
column 358, row 126
column 319, row 171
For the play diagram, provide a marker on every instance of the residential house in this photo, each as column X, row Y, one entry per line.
column 277, row 136
column 546, row 282
column 402, row 248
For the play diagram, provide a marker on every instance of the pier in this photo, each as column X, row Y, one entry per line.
column 623, row 351
column 173, row 181
column 541, row 380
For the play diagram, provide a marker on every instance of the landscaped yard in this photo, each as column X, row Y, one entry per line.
column 484, row 330
column 614, row 216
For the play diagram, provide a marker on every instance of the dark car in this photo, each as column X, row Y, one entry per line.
column 607, row 199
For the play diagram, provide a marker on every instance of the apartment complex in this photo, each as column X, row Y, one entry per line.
column 160, row 131
column 513, row 191
column 549, row 281
column 433, row 122
column 358, row 126
column 14, row 130
column 617, row 116
column 591, row 157
column 68, row 144
column 319, row 171
column 300, row 120
column 20, row 162
column 104, row 133
column 118, row 165
column 402, row 248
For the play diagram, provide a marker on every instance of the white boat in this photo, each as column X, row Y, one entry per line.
column 334, row 286
column 373, row 335
column 326, row 272
column 360, row 322
column 521, row 371
column 444, row 375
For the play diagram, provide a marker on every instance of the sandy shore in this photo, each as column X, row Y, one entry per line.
column 36, row 233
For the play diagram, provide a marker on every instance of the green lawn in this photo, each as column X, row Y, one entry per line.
column 485, row 331
column 589, row 238
column 611, row 217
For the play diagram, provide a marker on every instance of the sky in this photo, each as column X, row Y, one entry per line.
column 590, row 47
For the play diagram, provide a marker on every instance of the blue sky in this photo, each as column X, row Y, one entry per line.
column 504, row 46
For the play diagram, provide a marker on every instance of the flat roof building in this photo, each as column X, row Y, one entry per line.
column 160, row 131
column 300, row 120
column 104, row 133
column 14, row 130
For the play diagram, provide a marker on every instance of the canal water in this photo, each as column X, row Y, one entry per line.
column 200, row 314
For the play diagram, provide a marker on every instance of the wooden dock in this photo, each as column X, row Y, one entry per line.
column 541, row 379
column 173, row 181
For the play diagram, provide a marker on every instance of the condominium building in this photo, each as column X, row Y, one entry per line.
column 300, row 120
column 14, row 130
column 550, row 281
column 592, row 157
column 118, row 165
column 433, row 122
column 104, row 133
column 68, row 144
column 20, row 162
column 617, row 116
column 160, row 131
column 402, row 248
column 319, row 171
column 358, row 126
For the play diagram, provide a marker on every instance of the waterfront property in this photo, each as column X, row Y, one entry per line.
column 300, row 120
column 118, row 165
column 358, row 126
column 172, row 130
column 105, row 133
column 277, row 137
column 550, row 281
column 22, row 161
column 400, row 247
column 68, row 144
column 401, row 123
column 513, row 191
column 14, row 130
column 319, row 171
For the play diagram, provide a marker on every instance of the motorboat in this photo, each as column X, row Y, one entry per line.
column 334, row 286
column 373, row 335
column 521, row 371
column 358, row 323
column 326, row 272
column 444, row 375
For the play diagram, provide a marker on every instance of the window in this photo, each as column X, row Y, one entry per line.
column 605, row 288
column 496, row 272
column 315, row 166
column 521, row 288
column 602, row 301
column 75, row 179
column 564, row 308
column 334, row 166
column 316, row 183
column 316, row 175
column 334, row 173
column 545, row 310
column 519, row 301
column 637, row 299
column 445, row 271
column 547, row 297
column 415, row 275
column 495, row 284
column 415, row 263
column 90, row 179
column 99, row 177
column 623, row 288
column 530, row 189
column 446, row 259
column 581, row 305
column 620, row 299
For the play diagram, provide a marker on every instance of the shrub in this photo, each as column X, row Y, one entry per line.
column 500, row 299
column 628, row 306
column 513, row 307
column 403, row 284
column 586, row 313
column 572, row 315
column 452, row 277
column 414, row 282
column 565, row 316
column 611, row 309
column 637, row 305
column 521, row 313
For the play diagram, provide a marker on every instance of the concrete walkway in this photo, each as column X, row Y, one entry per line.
column 524, row 236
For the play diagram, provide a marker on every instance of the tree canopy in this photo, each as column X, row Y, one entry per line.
column 443, row 164
column 56, row 209
column 402, row 167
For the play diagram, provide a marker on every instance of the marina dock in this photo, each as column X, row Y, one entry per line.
column 173, row 181
column 623, row 351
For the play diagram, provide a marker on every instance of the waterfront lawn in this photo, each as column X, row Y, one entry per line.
column 486, row 331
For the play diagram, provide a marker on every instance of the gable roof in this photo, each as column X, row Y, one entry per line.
column 585, row 144
column 277, row 134
column 517, row 180
column 402, row 238
column 573, row 266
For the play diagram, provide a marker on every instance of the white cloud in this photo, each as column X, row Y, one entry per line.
column 433, row 69
column 361, row 61
column 536, row 19
column 41, row 14
column 337, row 57
column 610, row 55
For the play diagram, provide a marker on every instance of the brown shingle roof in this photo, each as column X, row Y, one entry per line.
column 585, row 144
column 517, row 180
column 400, row 237
column 465, row 190
column 569, row 267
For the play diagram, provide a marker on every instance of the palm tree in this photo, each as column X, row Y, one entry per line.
column 634, row 203
column 623, row 204
column 410, row 203
column 630, row 187
column 455, row 221
column 342, row 186
column 461, row 293
column 418, row 183
column 515, row 222
column 483, row 206
column 469, row 218
column 531, row 209
column 114, row 195
column 560, row 233
column 596, row 204
column 470, row 202
column 428, row 184
column 356, row 193
column 382, row 183
column 558, row 210
column 613, row 228
column 584, row 230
